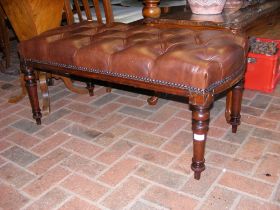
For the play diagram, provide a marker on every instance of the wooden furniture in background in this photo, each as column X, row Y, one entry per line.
column 245, row 20
column 79, row 7
column 28, row 19
column 248, row 21
column 32, row 17
column 4, row 39
column 151, row 9
column 86, row 7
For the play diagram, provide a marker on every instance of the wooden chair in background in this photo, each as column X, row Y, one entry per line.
column 31, row 18
column 84, row 13
column 28, row 19
column 122, row 14
column 83, row 7
column 4, row 39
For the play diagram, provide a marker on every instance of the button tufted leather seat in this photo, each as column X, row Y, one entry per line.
column 183, row 58
column 193, row 63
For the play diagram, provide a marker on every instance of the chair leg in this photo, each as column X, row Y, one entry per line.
column 108, row 88
column 90, row 87
column 200, row 126
column 5, row 42
column 7, row 47
column 46, row 109
column 50, row 80
column 228, row 106
column 69, row 84
column 236, row 100
column 31, row 86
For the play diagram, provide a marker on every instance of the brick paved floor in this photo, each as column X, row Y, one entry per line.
column 113, row 151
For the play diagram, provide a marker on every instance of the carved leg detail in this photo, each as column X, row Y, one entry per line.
column 200, row 126
column 236, row 105
column 90, row 87
column 31, row 86
column 151, row 9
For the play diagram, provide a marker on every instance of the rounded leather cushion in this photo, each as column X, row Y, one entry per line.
column 193, row 58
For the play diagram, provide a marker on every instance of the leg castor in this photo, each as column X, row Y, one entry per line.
column 152, row 100
column 38, row 121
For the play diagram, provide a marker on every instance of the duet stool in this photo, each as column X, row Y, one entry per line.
column 196, row 64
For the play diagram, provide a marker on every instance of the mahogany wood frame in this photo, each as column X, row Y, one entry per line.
column 200, row 103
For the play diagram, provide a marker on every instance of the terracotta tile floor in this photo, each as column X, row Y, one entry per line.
column 113, row 151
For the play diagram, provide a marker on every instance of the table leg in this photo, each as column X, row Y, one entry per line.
column 45, row 93
column 228, row 106
column 200, row 126
column 31, row 86
column 236, row 100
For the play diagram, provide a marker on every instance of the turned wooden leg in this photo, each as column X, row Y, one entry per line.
column 151, row 9
column 4, row 30
column 90, row 87
column 200, row 126
column 31, row 86
column 108, row 87
column 236, row 100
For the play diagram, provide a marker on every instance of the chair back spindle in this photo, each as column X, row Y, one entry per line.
column 84, row 10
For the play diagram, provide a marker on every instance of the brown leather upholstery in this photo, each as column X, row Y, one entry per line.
column 181, row 57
